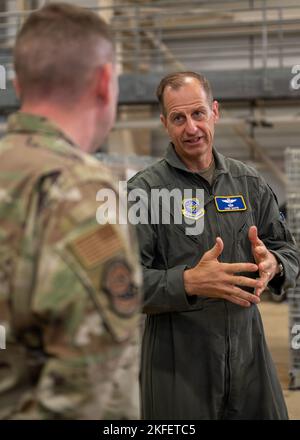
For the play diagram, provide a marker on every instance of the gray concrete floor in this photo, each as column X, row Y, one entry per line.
column 275, row 319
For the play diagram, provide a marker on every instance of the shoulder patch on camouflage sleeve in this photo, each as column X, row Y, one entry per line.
column 117, row 283
column 100, row 257
column 96, row 246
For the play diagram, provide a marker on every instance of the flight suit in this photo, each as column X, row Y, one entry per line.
column 205, row 358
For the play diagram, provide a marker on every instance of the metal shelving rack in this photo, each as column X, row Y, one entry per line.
column 293, row 212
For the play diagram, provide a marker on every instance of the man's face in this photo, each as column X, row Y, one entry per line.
column 190, row 120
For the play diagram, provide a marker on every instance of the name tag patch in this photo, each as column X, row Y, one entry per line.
column 230, row 203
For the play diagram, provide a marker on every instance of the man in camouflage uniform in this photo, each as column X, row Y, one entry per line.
column 69, row 297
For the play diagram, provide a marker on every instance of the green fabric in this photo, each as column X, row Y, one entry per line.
column 71, row 352
column 205, row 358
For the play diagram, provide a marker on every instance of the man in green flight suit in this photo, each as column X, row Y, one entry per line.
column 70, row 287
column 204, row 354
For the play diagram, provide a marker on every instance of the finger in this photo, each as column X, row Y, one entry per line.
column 253, row 236
column 264, row 278
column 214, row 252
column 240, row 293
column 260, row 290
column 265, row 267
column 238, row 301
column 261, row 250
column 239, row 267
column 238, row 280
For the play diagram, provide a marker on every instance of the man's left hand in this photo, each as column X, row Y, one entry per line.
column 266, row 261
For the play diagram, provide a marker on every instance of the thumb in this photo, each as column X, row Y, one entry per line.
column 214, row 252
column 252, row 235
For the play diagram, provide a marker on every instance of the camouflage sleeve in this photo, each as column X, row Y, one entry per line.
column 86, row 301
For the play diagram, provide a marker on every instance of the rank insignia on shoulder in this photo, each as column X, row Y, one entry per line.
column 230, row 203
column 191, row 208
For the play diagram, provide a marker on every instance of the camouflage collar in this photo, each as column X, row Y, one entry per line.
column 173, row 159
column 21, row 122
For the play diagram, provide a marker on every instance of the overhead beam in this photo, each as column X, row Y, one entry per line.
column 236, row 85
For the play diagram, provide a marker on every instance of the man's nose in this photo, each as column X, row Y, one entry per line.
column 191, row 126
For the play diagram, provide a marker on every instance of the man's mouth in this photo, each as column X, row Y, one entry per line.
column 193, row 141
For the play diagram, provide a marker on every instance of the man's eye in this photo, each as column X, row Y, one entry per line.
column 198, row 114
column 178, row 118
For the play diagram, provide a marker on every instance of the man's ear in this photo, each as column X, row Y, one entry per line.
column 215, row 109
column 103, row 82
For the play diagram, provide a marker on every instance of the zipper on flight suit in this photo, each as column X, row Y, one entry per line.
column 210, row 190
column 227, row 372
column 219, row 228
column 227, row 369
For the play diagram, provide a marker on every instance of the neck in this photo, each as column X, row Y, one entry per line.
column 199, row 163
column 76, row 123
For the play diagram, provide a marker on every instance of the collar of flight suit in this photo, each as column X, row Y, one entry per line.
column 26, row 123
column 173, row 159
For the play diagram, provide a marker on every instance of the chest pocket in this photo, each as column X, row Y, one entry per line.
column 233, row 227
column 243, row 245
column 176, row 246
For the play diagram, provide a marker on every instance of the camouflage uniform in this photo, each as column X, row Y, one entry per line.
column 70, row 288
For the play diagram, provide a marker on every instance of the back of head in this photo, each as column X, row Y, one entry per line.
column 57, row 50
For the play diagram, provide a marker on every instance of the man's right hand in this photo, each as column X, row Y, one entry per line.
column 213, row 279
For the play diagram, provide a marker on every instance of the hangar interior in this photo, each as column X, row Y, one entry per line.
column 248, row 49
column 250, row 52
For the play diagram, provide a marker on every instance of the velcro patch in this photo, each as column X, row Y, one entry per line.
column 97, row 246
column 230, row 203
column 118, row 285
column 191, row 208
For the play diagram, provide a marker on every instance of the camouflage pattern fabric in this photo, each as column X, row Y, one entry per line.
column 70, row 288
